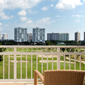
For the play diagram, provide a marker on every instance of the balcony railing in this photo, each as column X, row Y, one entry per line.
column 19, row 62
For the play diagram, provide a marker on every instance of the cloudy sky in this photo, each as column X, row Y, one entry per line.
column 53, row 15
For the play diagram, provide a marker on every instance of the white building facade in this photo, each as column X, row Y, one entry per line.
column 20, row 34
column 38, row 35
column 0, row 37
column 5, row 36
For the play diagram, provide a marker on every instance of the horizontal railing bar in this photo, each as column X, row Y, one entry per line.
column 28, row 83
column 43, row 46
column 18, row 80
column 6, row 80
column 6, row 53
column 72, row 53
column 34, row 53
column 25, row 53
column 41, row 53
column 53, row 53
column 26, row 80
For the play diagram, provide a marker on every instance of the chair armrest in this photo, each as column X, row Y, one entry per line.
column 84, row 80
column 37, row 73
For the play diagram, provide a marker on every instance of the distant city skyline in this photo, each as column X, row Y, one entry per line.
column 59, row 16
column 29, row 35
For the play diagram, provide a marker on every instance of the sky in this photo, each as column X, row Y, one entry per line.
column 58, row 16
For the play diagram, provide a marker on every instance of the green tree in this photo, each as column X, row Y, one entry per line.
column 1, row 50
column 48, row 42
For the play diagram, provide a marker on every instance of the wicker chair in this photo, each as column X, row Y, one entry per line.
column 60, row 77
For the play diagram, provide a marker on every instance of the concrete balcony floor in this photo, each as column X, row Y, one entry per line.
column 20, row 83
column 31, row 83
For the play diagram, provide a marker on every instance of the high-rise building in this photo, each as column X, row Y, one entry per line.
column 5, row 36
column 77, row 36
column 52, row 36
column 20, row 34
column 63, row 36
column 38, row 35
column 84, row 36
column 29, row 37
column 0, row 37
column 58, row 36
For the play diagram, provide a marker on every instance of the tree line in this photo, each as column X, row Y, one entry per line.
column 47, row 42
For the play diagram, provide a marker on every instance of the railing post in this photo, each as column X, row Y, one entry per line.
column 58, row 58
column 14, row 64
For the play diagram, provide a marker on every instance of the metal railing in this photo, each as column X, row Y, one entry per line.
column 19, row 62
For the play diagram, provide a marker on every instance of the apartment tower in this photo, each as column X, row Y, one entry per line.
column 77, row 36
column 52, row 36
column 0, row 37
column 58, row 36
column 84, row 36
column 38, row 35
column 20, row 34
column 63, row 36
column 5, row 36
